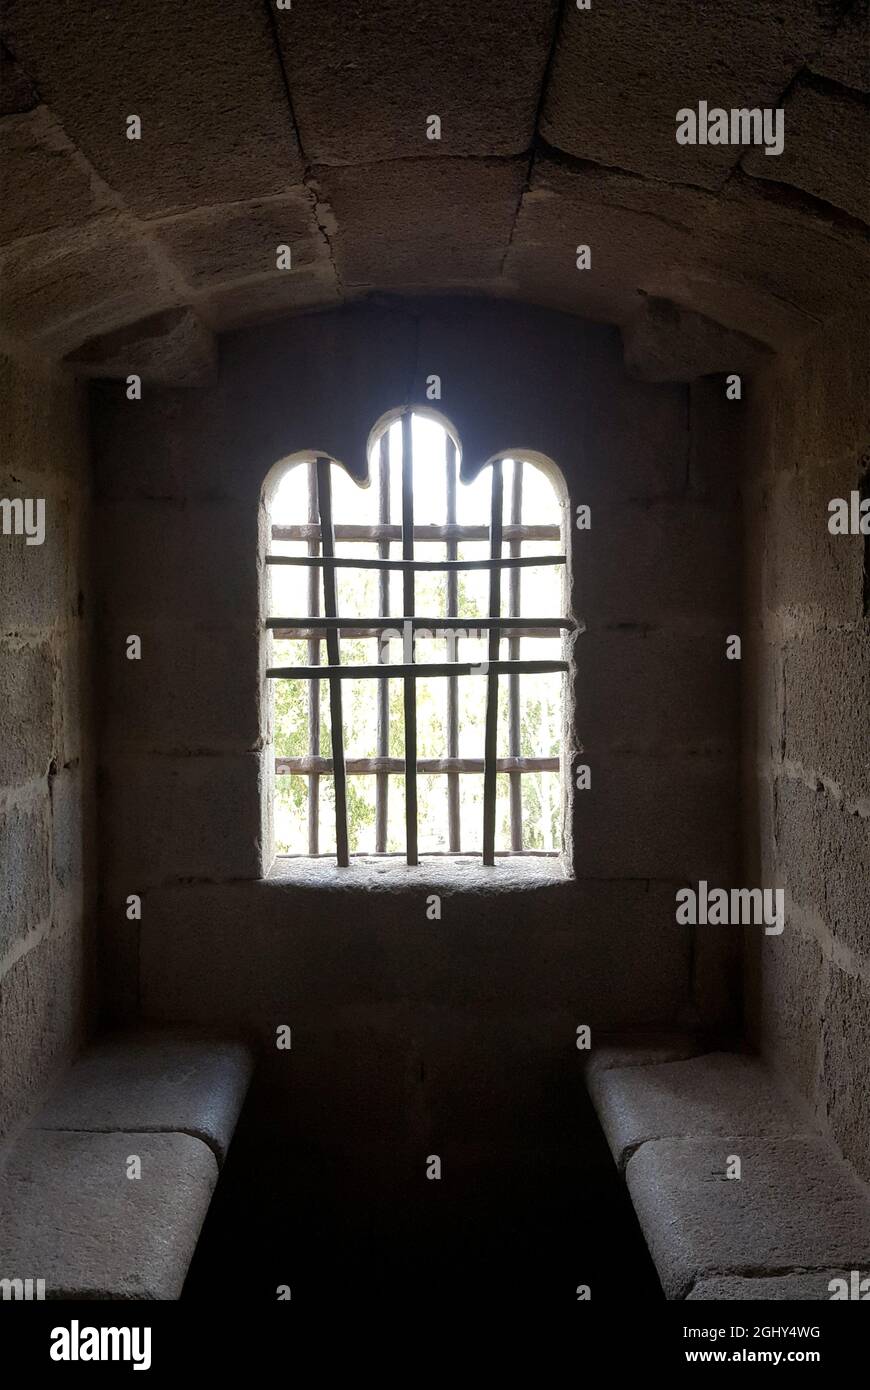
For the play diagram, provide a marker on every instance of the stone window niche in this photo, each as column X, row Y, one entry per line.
column 437, row 610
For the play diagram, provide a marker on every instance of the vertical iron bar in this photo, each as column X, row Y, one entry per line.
column 324, row 500
column 410, row 691
column 516, row 778
column 313, row 660
column 490, row 742
column 383, row 725
column 453, row 820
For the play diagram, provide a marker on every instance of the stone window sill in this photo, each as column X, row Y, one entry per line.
column 463, row 874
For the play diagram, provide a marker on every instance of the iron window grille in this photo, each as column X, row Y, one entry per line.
column 321, row 534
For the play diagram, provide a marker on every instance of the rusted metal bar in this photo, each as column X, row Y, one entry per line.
column 382, row 789
column 324, row 500
column 408, row 599
column 491, row 733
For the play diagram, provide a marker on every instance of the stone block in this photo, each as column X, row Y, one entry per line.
column 149, row 1082
column 807, row 1286
column 383, row 69
column 195, row 688
column 46, row 183
column 182, row 817
column 202, row 140
column 844, row 1086
column 653, row 692
column 796, row 1206
column 154, row 556
column 607, row 954
column 65, row 287
column 273, row 297
column 36, row 580
column 844, row 56
column 43, row 1004
column 792, row 973
column 70, row 1215
column 648, row 816
column 217, row 246
column 810, row 574
column 422, row 199
column 826, row 141
column 666, row 343
column 639, row 1050
column 68, row 827
column 637, row 567
column 26, row 711
column 823, row 860
column 620, row 75
column 43, row 423
column 25, row 896
column 17, row 92
column 720, row 1093
column 173, row 348
column 827, row 697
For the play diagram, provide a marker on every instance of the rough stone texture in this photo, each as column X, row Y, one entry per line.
column 796, row 1207
column 845, row 57
column 69, row 1214
column 144, row 1081
column 173, row 348
column 205, row 82
column 717, row 1094
column 827, row 136
column 642, row 64
column 386, row 70
column 665, row 343
column 805, row 776
column 558, row 129
column 47, row 883
column 808, row 1286
column 639, row 1050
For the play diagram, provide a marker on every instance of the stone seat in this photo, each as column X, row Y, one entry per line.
column 71, row 1214
column 795, row 1219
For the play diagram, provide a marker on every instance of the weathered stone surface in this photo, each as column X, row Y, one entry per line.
column 144, row 1081
column 620, row 74
column 35, row 590
column 195, row 689
column 219, row 245
column 665, row 343
column 845, row 1048
column 639, row 1050
column 25, row 897
column 827, row 134
column 69, row 1214
column 173, row 348
column 827, row 697
column 792, row 973
column 26, row 712
column 824, row 859
column 67, row 827
column 205, row 81
column 64, row 288
column 189, row 817
column 720, row 1093
column 808, row 1286
column 371, row 204
column 46, row 183
column 796, row 1206
column 388, row 69
column 273, row 297
column 611, row 951
column 844, row 56
column 44, row 996
column 17, row 92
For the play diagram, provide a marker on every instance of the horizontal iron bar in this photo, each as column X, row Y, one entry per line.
column 351, row 563
column 365, row 767
column 386, row 532
column 427, row 624
column 397, row 670
column 437, row 854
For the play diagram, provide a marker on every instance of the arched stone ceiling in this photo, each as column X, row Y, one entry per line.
column 307, row 126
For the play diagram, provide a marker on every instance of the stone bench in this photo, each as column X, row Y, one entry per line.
column 675, row 1118
column 70, row 1214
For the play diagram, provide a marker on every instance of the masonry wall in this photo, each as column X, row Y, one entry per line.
column 47, row 868
column 487, row 1001
column 807, row 765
